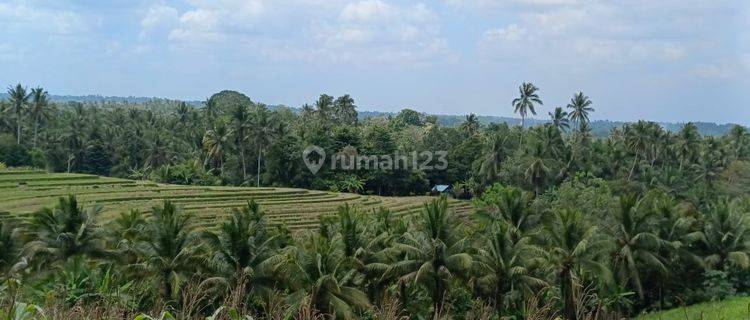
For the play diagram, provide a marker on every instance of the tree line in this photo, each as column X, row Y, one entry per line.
column 232, row 140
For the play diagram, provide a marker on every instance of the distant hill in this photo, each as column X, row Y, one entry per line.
column 599, row 128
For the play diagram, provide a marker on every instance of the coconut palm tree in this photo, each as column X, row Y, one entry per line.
column 65, row 231
column 471, row 124
column 240, row 122
column 170, row 250
column 317, row 275
column 158, row 151
column 574, row 248
column 493, row 155
column 211, row 108
column 581, row 107
column 264, row 131
column 433, row 255
column 344, row 110
column 129, row 228
column 244, row 254
column 637, row 139
column 506, row 205
column 38, row 111
column 726, row 237
column 537, row 169
column 559, row 119
column 636, row 246
column 526, row 100
column 11, row 249
column 688, row 144
column 551, row 140
column 19, row 98
column 680, row 231
column 216, row 144
column 505, row 266
column 738, row 138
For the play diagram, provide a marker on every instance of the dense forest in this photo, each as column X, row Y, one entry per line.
column 566, row 223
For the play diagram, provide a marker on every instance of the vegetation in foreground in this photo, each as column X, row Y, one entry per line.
column 564, row 225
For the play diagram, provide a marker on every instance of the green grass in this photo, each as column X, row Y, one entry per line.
column 737, row 308
column 25, row 191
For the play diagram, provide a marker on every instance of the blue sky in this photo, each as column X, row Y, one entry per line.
column 666, row 60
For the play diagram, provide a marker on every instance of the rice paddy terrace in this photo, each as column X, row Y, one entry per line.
column 24, row 191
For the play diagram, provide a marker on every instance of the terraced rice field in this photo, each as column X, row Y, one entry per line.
column 24, row 191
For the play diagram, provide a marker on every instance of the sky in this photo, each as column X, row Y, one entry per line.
column 665, row 60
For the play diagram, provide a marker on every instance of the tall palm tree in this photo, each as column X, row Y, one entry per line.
column 581, row 106
column 216, row 144
column 551, row 140
column 688, row 144
column 680, row 231
column 505, row 267
column 65, row 231
column 240, row 122
column 170, row 249
column 211, row 108
column 738, row 138
column 433, row 255
column 559, row 119
column 526, row 100
column 537, row 169
column 637, row 139
column 493, row 155
column 38, row 111
column 573, row 248
column 471, row 124
column 158, row 151
column 344, row 110
column 19, row 98
column 636, row 246
column 264, row 132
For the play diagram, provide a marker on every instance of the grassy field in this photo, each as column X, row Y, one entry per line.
column 25, row 191
column 731, row 309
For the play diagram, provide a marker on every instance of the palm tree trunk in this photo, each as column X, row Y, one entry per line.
column 632, row 168
column 242, row 158
column 566, row 283
column 36, row 126
column 167, row 287
column 439, row 295
column 520, row 141
column 258, row 172
column 18, row 126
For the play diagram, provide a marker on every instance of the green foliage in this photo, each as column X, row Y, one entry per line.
column 563, row 221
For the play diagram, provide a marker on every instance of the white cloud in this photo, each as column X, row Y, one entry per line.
column 159, row 14
column 510, row 33
column 374, row 31
column 499, row 4
column 20, row 17
column 365, row 11
column 357, row 32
